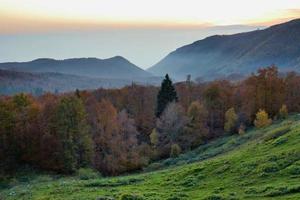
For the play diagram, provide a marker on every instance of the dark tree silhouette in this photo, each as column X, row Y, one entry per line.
column 166, row 94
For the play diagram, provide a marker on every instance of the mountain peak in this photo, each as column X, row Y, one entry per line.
column 115, row 67
column 118, row 57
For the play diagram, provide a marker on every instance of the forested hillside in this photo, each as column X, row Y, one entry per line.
column 239, row 54
column 259, row 164
column 120, row 130
column 13, row 82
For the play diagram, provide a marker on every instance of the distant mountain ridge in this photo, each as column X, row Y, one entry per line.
column 12, row 82
column 242, row 53
column 115, row 67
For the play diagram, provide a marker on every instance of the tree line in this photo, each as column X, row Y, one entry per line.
column 120, row 130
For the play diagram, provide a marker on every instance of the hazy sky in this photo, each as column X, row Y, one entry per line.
column 141, row 30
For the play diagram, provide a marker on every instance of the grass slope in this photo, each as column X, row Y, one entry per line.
column 262, row 164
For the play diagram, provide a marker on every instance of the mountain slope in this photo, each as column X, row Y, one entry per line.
column 115, row 67
column 12, row 82
column 261, row 164
column 241, row 53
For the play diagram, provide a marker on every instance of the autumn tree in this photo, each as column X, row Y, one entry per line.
column 154, row 137
column 230, row 120
column 196, row 130
column 7, row 137
column 69, row 125
column 49, row 142
column 175, row 150
column 283, row 112
column 115, row 139
column 19, row 132
column 170, row 127
column 262, row 119
column 166, row 94
column 140, row 105
column 129, row 141
column 270, row 90
column 213, row 103
column 265, row 90
column 105, row 129
column 25, row 131
column 241, row 129
column 28, row 132
column 292, row 92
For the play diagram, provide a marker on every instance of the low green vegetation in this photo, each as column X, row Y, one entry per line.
column 259, row 164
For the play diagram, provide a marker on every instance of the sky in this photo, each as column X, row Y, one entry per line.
column 143, row 31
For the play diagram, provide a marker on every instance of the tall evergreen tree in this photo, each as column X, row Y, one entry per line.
column 166, row 94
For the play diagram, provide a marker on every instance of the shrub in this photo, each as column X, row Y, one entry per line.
column 154, row 166
column 279, row 141
column 283, row 112
column 241, row 130
column 130, row 197
column 4, row 183
column 230, row 120
column 114, row 183
column 189, row 181
column 86, row 174
column 175, row 150
column 262, row 119
column 293, row 169
column 270, row 168
column 214, row 197
column 283, row 191
column 154, row 137
column 277, row 132
column 177, row 196
column 105, row 198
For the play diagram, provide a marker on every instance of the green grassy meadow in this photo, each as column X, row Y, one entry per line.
column 261, row 164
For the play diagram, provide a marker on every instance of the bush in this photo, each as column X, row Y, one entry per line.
column 270, row 168
column 283, row 112
column 154, row 166
column 214, row 197
column 242, row 129
column 262, row 119
column 154, row 137
column 105, row 198
column 178, row 196
column 130, row 197
column 283, row 191
column 114, row 183
column 4, row 183
column 175, row 150
column 230, row 120
column 279, row 141
column 293, row 169
column 277, row 132
column 86, row 174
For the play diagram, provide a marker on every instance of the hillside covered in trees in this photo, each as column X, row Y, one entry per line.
column 121, row 130
column 238, row 54
column 13, row 82
column 258, row 164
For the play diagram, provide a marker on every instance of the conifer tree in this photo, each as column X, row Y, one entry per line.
column 166, row 94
